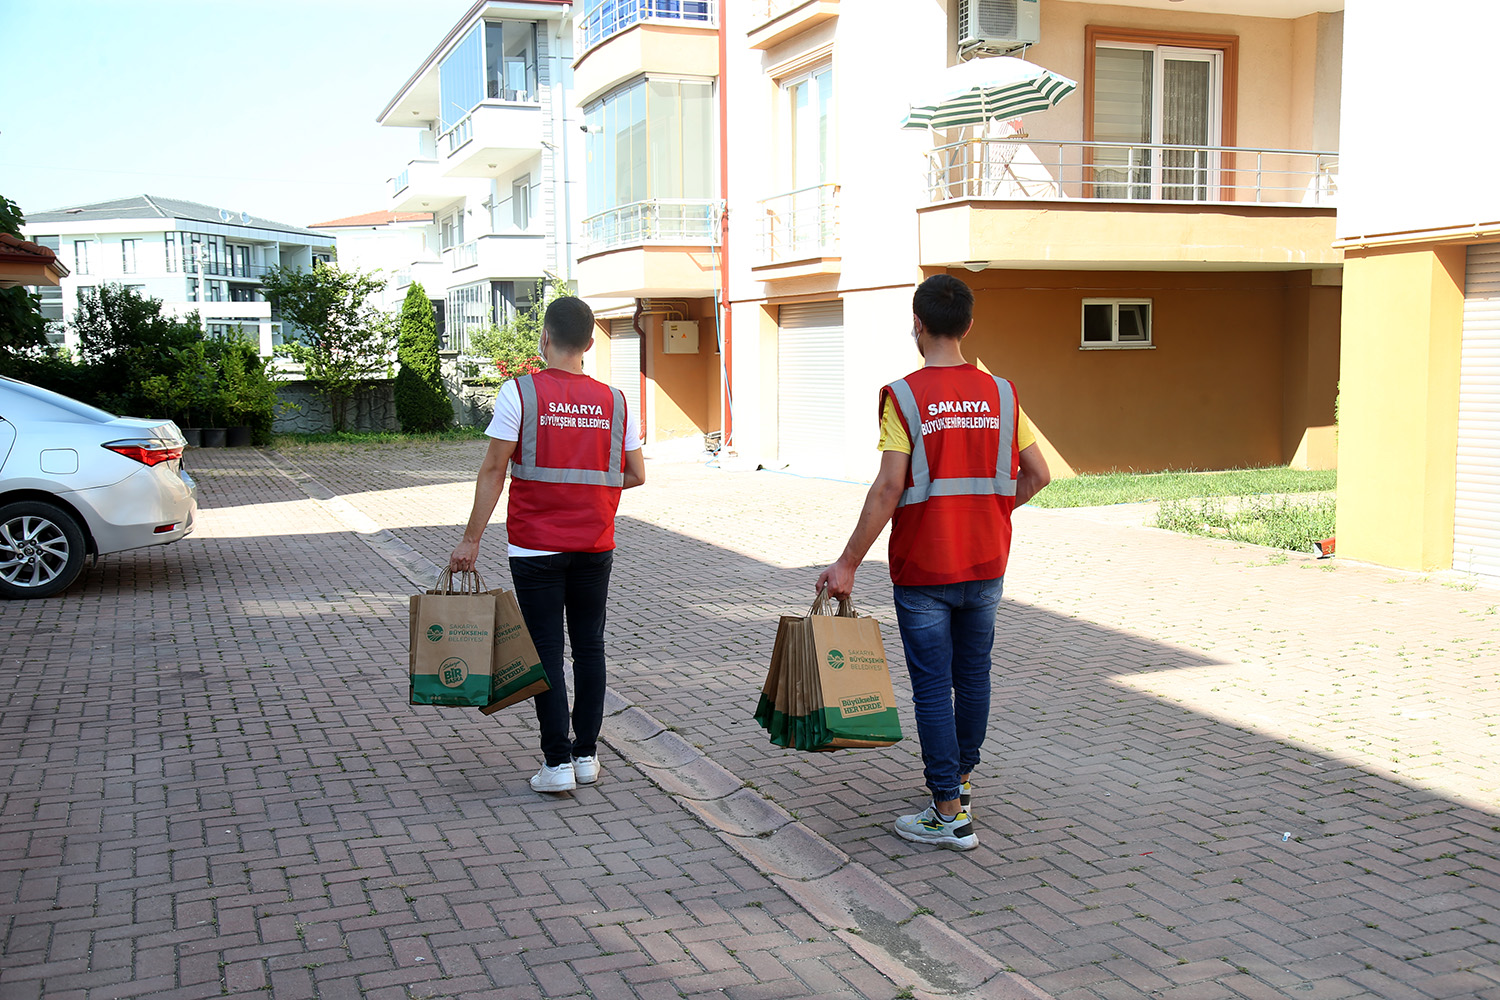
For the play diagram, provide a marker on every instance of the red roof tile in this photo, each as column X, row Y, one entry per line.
column 374, row 219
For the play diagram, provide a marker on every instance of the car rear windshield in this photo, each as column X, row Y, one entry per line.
column 57, row 399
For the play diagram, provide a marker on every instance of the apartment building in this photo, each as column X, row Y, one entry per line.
column 649, row 251
column 1152, row 258
column 1419, row 403
column 495, row 139
column 194, row 258
column 386, row 244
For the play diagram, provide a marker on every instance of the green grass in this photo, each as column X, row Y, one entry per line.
column 1281, row 522
column 291, row 442
column 1135, row 487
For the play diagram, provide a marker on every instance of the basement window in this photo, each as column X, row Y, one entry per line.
column 1116, row 323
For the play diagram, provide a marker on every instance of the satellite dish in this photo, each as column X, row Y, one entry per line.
column 224, row 214
column 244, row 216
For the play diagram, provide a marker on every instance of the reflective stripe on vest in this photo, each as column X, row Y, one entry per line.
column 923, row 485
column 525, row 467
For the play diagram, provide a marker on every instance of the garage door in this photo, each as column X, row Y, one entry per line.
column 625, row 364
column 1476, row 521
column 810, row 385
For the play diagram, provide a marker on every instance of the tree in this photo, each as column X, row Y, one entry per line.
column 124, row 341
column 515, row 348
column 21, row 323
column 344, row 342
column 421, row 399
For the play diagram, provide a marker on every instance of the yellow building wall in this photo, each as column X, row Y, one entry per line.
column 1244, row 367
column 1398, row 405
column 684, row 388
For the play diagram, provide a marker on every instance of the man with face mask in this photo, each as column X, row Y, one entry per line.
column 570, row 447
column 957, row 457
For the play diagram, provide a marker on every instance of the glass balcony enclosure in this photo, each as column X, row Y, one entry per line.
column 649, row 143
column 497, row 61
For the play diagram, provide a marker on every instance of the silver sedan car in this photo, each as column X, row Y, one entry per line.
column 77, row 481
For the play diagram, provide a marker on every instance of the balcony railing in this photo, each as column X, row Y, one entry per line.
column 464, row 255
column 801, row 223
column 217, row 269
column 672, row 222
column 613, row 16
column 1022, row 169
column 401, row 182
column 459, row 134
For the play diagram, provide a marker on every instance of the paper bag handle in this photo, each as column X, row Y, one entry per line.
column 469, row 582
column 820, row 605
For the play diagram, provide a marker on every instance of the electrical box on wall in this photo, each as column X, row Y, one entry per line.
column 680, row 336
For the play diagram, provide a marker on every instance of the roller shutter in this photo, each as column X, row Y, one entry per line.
column 810, row 385
column 1476, row 520
column 625, row 365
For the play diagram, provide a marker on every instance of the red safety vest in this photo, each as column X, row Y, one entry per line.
column 569, row 466
column 952, row 523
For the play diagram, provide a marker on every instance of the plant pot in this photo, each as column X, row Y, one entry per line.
column 194, row 436
column 237, row 437
column 213, row 437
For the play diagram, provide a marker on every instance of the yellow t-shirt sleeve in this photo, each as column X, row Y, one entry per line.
column 893, row 436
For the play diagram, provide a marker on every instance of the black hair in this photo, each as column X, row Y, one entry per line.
column 570, row 323
column 944, row 305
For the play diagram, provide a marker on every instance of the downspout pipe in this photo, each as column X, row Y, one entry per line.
column 726, row 348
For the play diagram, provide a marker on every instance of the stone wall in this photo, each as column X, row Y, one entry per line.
column 372, row 410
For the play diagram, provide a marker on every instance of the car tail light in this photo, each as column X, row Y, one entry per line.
column 146, row 451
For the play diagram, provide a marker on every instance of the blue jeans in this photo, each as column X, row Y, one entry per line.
column 948, row 631
column 575, row 586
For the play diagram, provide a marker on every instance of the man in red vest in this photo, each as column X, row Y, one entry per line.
column 571, row 447
column 956, row 458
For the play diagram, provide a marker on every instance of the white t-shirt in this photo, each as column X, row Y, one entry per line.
column 505, row 425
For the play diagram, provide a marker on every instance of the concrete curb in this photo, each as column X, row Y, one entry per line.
column 881, row 924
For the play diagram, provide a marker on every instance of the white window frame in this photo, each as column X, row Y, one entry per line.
column 81, row 256
column 1160, row 53
column 1115, row 343
column 128, row 252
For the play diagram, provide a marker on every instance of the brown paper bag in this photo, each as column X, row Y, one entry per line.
column 856, row 706
column 518, row 672
column 451, row 643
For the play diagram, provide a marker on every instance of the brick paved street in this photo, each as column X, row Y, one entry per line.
column 1214, row 770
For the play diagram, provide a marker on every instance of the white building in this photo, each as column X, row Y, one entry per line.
column 495, row 142
column 194, row 258
column 389, row 245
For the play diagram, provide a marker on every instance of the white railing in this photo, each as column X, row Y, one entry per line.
column 464, row 255
column 459, row 134
column 801, row 223
column 670, row 221
column 1023, row 169
column 401, row 182
column 613, row 16
column 402, row 278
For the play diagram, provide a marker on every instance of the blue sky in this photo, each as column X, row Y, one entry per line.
column 266, row 107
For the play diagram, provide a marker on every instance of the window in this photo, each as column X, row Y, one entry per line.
column 127, row 252
column 1116, row 323
column 468, row 311
column 1148, row 90
column 520, row 203
column 510, row 60
column 241, row 260
column 804, row 218
column 451, row 231
column 81, row 256
column 651, row 141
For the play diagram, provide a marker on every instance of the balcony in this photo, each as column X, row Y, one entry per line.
column 1020, row 202
column 432, row 275
column 498, row 255
column 667, row 42
column 491, row 140
column 613, row 16
column 421, row 187
column 799, row 234
column 651, row 248
column 778, row 20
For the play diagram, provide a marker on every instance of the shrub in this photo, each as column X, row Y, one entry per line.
column 421, row 399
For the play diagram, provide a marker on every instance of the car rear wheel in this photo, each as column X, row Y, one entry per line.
column 41, row 549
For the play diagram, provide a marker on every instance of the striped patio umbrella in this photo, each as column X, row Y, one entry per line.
column 981, row 90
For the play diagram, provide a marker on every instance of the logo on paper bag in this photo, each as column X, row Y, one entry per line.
column 435, row 632
column 861, row 704
column 836, row 659
column 453, row 672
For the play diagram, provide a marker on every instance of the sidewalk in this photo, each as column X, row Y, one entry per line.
column 1214, row 771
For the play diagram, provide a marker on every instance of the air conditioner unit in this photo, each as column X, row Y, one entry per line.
column 998, row 25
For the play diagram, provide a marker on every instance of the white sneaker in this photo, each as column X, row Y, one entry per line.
column 554, row 779
column 586, row 770
column 927, row 827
